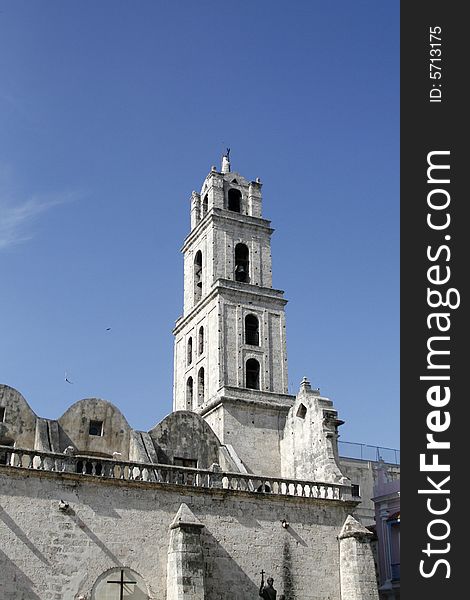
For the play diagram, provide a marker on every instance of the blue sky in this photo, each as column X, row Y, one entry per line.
column 112, row 112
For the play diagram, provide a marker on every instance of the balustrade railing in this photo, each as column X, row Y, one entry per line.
column 169, row 474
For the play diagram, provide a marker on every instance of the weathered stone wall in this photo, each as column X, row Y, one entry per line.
column 218, row 231
column 232, row 228
column 309, row 445
column 185, row 569
column 238, row 301
column 206, row 316
column 225, row 351
column 254, row 431
column 112, row 524
column 74, row 427
column 19, row 421
column 184, row 434
column 201, row 240
column 358, row 579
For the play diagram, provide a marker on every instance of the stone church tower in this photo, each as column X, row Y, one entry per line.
column 239, row 478
column 230, row 343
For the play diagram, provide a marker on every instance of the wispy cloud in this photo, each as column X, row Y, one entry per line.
column 19, row 211
column 17, row 217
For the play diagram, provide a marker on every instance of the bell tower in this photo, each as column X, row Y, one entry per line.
column 230, row 361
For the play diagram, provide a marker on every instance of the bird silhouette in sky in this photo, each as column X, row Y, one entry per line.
column 67, row 379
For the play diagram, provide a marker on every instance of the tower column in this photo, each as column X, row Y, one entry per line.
column 357, row 569
column 238, row 380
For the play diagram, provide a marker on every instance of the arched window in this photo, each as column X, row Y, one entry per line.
column 251, row 330
column 189, row 393
column 189, row 355
column 242, row 263
column 234, row 200
column 201, row 340
column 200, row 386
column 119, row 582
column 252, row 374
column 205, row 205
column 197, row 276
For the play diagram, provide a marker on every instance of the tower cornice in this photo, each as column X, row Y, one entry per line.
column 237, row 396
column 220, row 216
column 275, row 297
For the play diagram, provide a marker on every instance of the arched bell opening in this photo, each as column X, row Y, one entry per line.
column 242, row 263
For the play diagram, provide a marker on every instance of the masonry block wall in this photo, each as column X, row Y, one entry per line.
column 253, row 431
column 109, row 524
column 358, row 580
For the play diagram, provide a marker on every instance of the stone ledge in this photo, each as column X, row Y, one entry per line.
column 221, row 494
column 241, row 396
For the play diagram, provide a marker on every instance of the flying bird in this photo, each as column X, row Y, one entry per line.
column 67, row 379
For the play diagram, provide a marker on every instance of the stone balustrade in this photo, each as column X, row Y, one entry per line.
column 104, row 468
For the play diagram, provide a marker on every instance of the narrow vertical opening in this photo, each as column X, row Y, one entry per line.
column 234, row 200
column 201, row 340
column 251, row 330
column 205, row 206
column 200, row 386
column 252, row 374
column 5, row 456
column 242, row 263
column 189, row 393
column 189, row 351
column 197, row 276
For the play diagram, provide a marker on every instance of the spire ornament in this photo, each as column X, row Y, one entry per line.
column 226, row 162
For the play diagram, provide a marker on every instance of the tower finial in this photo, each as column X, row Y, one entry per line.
column 226, row 161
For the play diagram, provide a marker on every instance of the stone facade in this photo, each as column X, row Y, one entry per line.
column 241, row 477
column 309, row 448
column 51, row 554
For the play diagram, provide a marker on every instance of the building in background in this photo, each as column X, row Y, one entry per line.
column 387, row 516
column 364, row 465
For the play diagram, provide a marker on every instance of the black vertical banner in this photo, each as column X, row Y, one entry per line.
column 435, row 253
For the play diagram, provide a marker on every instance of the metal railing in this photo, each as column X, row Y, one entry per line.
column 102, row 468
column 367, row 452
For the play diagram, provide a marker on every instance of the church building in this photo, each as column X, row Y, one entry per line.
column 240, row 481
